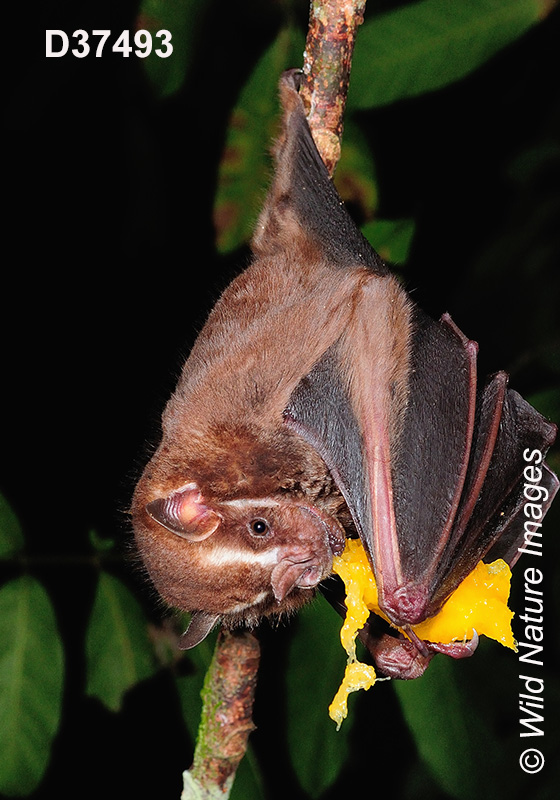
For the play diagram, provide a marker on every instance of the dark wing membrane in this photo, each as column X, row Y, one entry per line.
column 456, row 459
column 303, row 185
column 489, row 408
column 523, row 530
column 319, row 204
column 500, row 499
column 432, row 452
column 320, row 411
column 457, row 466
column 430, row 458
column 458, row 481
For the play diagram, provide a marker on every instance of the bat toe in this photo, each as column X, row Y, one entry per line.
column 455, row 649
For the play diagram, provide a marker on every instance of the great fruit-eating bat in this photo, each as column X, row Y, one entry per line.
column 319, row 402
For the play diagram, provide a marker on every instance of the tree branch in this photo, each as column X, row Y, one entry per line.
column 226, row 721
column 327, row 59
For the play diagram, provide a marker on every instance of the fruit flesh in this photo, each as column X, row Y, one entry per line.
column 478, row 604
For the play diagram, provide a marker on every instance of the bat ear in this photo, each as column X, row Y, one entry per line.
column 183, row 512
column 199, row 627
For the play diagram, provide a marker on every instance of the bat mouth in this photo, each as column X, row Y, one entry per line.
column 304, row 566
column 337, row 541
column 335, row 535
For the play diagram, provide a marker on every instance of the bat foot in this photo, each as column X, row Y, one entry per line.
column 463, row 649
column 455, row 649
column 396, row 657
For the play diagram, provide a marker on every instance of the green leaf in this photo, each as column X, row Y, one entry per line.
column 547, row 403
column 11, row 535
column 390, row 238
column 182, row 19
column 245, row 166
column 355, row 172
column 118, row 649
column 248, row 784
column 190, row 685
column 426, row 45
column 316, row 663
column 31, row 678
column 448, row 729
column 100, row 544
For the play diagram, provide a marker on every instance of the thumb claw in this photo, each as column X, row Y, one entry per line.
column 456, row 649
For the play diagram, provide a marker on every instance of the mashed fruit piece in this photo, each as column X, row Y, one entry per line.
column 479, row 603
column 356, row 676
column 361, row 595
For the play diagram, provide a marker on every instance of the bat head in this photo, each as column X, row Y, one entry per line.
column 235, row 560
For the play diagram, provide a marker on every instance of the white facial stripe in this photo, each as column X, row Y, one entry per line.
column 242, row 606
column 223, row 556
column 249, row 502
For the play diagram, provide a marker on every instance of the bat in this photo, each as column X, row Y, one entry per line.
column 319, row 402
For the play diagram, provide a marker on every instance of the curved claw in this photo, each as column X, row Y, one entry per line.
column 455, row 649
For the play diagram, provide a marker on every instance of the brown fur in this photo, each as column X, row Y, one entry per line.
column 224, row 430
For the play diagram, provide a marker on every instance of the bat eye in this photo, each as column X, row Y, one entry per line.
column 259, row 527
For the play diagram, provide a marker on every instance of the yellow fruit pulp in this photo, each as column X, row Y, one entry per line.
column 479, row 603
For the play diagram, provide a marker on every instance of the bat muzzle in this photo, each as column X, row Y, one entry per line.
column 291, row 573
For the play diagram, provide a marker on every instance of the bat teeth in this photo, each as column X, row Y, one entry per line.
column 337, row 544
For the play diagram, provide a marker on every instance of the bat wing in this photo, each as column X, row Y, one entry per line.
column 456, row 469
column 302, row 187
column 521, row 532
column 430, row 465
column 445, row 530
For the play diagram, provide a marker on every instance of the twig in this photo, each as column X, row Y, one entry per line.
column 328, row 56
column 228, row 694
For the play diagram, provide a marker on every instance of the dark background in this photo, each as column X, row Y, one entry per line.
column 110, row 270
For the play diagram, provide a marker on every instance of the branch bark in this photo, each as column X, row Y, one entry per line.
column 226, row 721
column 328, row 53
